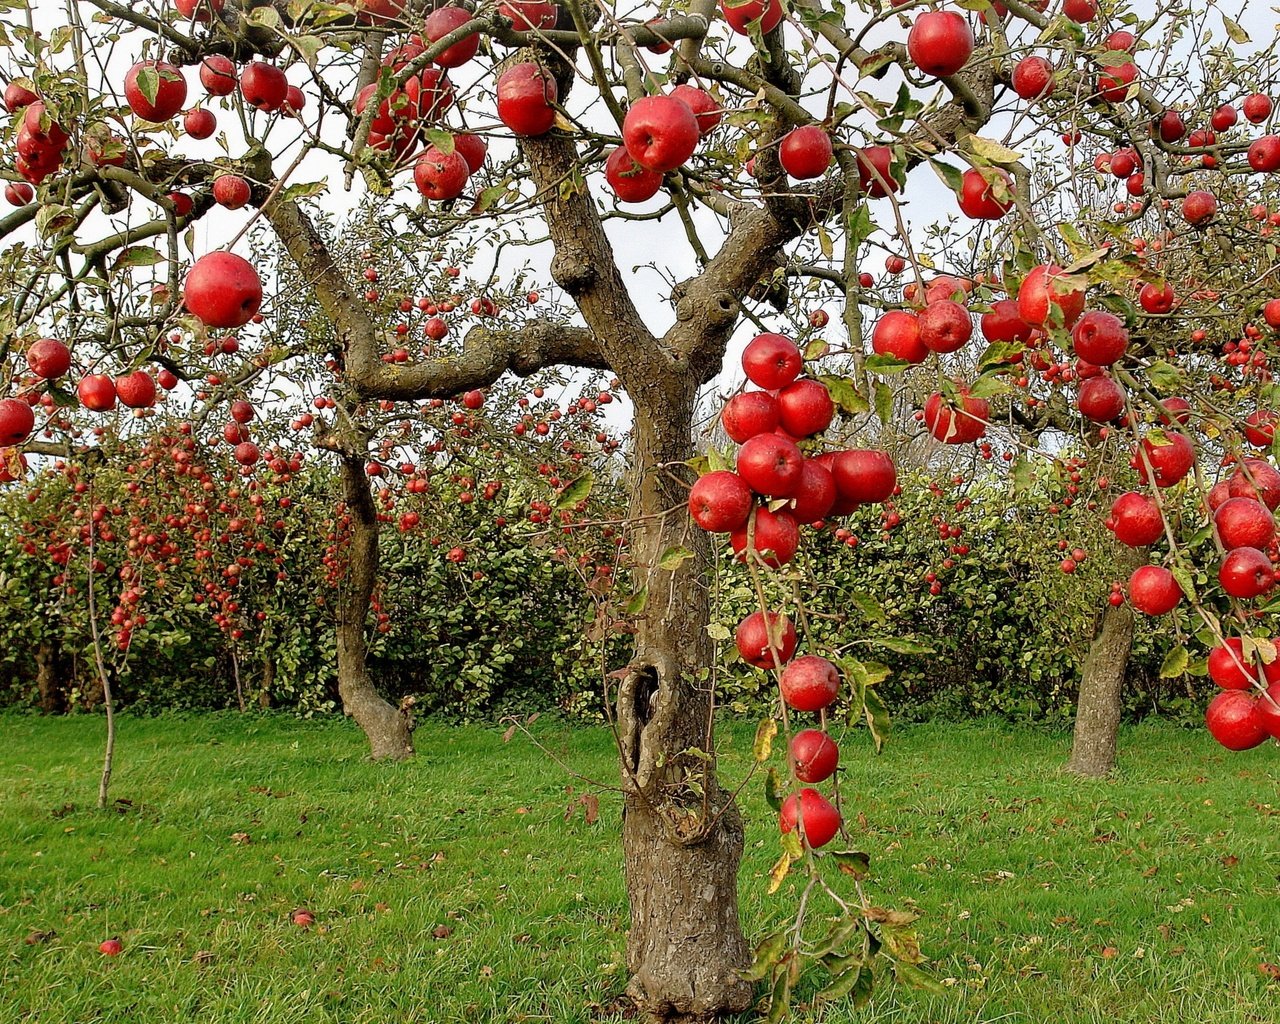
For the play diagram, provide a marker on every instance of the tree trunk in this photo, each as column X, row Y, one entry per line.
column 682, row 834
column 48, row 681
column 389, row 730
column 1093, row 749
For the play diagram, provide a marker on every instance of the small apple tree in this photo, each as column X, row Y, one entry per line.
column 773, row 143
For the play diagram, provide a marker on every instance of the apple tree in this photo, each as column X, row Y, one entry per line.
column 657, row 177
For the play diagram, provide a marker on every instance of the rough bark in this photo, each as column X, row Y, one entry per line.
column 388, row 730
column 1093, row 747
column 681, row 848
column 48, row 679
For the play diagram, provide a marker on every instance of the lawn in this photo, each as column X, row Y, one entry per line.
column 452, row 888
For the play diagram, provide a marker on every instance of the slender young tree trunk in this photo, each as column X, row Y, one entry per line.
column 1093, row 748
column 682, row 843
column 389, row 731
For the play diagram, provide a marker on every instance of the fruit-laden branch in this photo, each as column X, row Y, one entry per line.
column 486, row 352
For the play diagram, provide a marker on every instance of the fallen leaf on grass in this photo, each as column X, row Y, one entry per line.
column 240, row 837
column 36, row 936
column 441, row 931
column 1110, row 952
column 1230, row 860
column 1270, row 970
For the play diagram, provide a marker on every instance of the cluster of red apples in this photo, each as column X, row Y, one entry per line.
column 776, row 489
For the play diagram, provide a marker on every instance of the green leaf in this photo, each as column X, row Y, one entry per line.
column 899, row 645
column 917, row 978
column 137, row 256
column 1234, row 32
column 309, row 47
column 767, row 953
column 992, row 151
column 267, row 17
column 952, row 177
column 1175, row 663
column 1164, row 377
column 53, row 219
column 877, row 718
column 868, row 605
column 853, row 862
column 815, row 348
column 845, row 395
column 780, row 1000
column 576, row 491
column 824, row 242
column 1000, row 353
column 861, row 226
column 883, row 398
column 763, row 745
column 441, row 139
column 148, row 82
column 718, row 631
column 673, row 558
column 881, row 363
column 637, row 602
column 1183, row 576
column 772, row 792
column 1024, row 474
column 841, row 985
column 304, row 190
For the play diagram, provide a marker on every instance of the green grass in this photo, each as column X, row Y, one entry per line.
column 1151, row 897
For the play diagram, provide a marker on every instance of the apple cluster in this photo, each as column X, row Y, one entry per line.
column 775, row 489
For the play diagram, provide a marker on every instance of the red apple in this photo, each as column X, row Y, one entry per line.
column 1033, row 78
column 805, row 152
column 1153, row 590
column 720, row 502
column 218, row 75
column 1113, row 84
column 439, row 24
column 440, row 176
column 1260, row 427
column 750, row 413
column 805, row 408
column 526, row 97
column 1170, row 455
column 1199, row 207
column 1135, row 520
column 110, row 947
column 264, row 86
column 897, row 334
column 771, row 465
column 1101, row 399
column 809, row 683
column 705, row 109
column 16, row 422
column 48, row 358
column 231, row 191
column 771, row 361
column 986, row 196
column 776, row 538
column 1232, row 719
column 753, row 640
column 954, row 424
column 1257, row 107
column 1157, row 298
column 740, row 15
column 1244, row 523
column 660, row 133
column 473, row 150
column 631, row 182
column 1003, row 324
column 1258, row 479
column 223, row 290
column 1042, row 300
column 1267, row 707
column 815, row 495
column 944, row 326
column 1246, row 573
column 199, row 123
column 17, row 96
column 814, row 755
column 136, row 390
column 875, row 173
column 1232, row 670
column 940, row 43
column 154, row 90
column 863, row 476
column 1080, row 11
column 817, row 820
column 97, row 392
column 529, row 15
column 1264, row 153
column 1099, row 337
